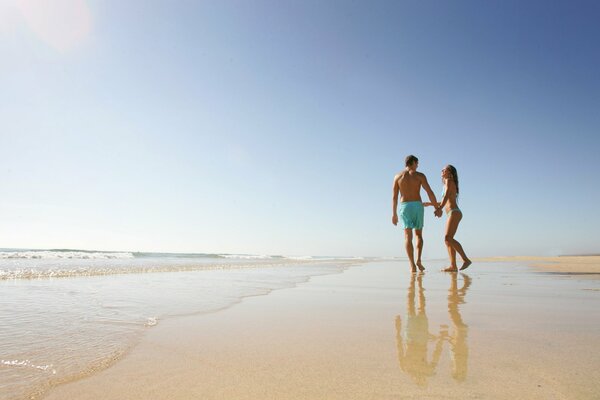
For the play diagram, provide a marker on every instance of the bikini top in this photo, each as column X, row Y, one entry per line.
column 444, row 193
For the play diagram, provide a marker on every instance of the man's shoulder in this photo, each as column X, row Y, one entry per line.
column 399, row 175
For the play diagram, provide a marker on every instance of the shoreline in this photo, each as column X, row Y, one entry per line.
column 342, row 336
column 259, row 282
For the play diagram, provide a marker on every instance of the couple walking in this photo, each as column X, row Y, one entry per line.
column 408, row 184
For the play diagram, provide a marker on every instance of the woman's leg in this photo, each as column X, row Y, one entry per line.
column 451, row 227
column 452, row 257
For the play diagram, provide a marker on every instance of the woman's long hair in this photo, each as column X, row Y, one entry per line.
column 454, row 177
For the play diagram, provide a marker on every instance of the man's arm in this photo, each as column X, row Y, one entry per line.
column 395, row 191
column 427, row 188
column 431, row 195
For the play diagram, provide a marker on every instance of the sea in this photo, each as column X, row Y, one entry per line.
column 65, row 314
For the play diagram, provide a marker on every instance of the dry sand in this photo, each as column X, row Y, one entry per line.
column 579, row 265
column 372, row 332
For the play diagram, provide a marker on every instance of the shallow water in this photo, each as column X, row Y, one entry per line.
column 495, row 322
column 55, row 330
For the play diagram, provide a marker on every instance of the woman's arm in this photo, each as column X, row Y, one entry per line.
column 446, row 194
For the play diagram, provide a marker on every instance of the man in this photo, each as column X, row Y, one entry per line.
column 408, row 183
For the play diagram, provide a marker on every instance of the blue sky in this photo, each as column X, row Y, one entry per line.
column 277, row 127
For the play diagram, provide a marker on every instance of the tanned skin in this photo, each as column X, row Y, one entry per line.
column 449, row 203
column 407, row 185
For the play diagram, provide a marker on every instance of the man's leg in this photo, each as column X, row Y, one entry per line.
column 409, row 249
column 419, row 233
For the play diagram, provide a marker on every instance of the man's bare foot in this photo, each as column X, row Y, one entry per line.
column 466, row 264
column 451, row 268
column 413, row 268
column 420, row 265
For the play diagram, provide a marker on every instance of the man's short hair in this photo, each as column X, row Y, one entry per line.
column 410, row 160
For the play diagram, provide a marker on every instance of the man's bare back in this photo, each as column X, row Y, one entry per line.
column 409, row 183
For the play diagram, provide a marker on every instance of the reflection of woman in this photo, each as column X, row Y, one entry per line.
column 458, row 339
column 412, row 353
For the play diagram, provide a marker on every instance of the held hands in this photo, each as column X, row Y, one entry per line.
column 438, row 210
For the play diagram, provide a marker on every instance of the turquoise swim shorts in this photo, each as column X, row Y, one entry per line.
column 411, row 214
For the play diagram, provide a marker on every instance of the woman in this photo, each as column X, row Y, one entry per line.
column 450, row 178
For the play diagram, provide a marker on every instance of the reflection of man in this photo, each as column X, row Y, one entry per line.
column 408, row 184
column 412, row 353
column 458, row 339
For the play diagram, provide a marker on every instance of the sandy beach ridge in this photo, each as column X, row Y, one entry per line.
column 575, row 265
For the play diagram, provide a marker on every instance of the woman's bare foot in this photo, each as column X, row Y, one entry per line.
column 451, row 268
column 413, row 268
column 420, row 265
column 466, row 264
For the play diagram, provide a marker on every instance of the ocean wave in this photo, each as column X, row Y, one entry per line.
column 63, row 254
column 246, row 256
column 62, row 272
column 299, row 257
column 72, row 254
column 326, row 258
column 58, row 272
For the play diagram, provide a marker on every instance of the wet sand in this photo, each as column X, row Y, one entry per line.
column 500, row 331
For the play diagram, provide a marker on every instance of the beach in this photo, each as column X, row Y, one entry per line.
column 587, row 266
column 67, row 314
column 196, row 200
column 375, row 331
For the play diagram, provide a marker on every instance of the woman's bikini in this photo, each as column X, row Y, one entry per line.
column 450, row 211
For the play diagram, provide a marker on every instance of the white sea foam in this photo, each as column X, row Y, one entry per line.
column 28, row 364
column 57, row 255
column 119, row 267
column 325, row 258
column 299, row 257
column 246, row 256
column 58, row 272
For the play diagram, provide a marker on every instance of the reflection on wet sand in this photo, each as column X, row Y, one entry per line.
column 413, row 342
column 412, row 352
column 458, row 338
